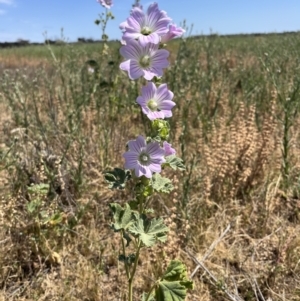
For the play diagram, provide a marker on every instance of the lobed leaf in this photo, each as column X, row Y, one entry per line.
column 150, row 298
column 175, row 162
column 175, row 271
column 170, row 291
column 161, row 184
column 174, row 284
column 129, row 260
column 39, row 188
column 123, row 217
column 149, row 231
column 117, row 178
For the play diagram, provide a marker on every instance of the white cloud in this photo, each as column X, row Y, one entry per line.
column 8, row 2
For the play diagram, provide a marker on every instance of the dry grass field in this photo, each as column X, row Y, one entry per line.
column 235, row 212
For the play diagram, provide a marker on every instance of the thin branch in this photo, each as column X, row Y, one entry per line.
column 231, row 296
column 210, row 249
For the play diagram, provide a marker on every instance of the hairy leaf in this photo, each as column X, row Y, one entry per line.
column 176, row 270
column 170, row 291
column 123, row 217
column 127, row 259
column 175, row 162
column 145, row 295
column 39, row 188
column 149, row 231
column 174, row 284
column 117, row 178
column 161, row 184
column 133, row 204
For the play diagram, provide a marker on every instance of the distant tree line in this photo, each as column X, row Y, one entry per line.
column 255, row 34
column 22, row 42
column 18, row 43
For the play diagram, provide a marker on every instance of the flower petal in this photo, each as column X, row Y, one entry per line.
column 159, row 58
column 163, row 93
column 135, row 71
column 154, row 150
column 138, row 15
column 155, row 115
column 167, row 113
column 149, row 91
column 169, row 150
column 153, row 38
column 155, row 167
column 141, row 170
column 130, row 51
column 166, row 105
column 125, row 66
column 137, row 145
column 131, row 159
column 148, row 75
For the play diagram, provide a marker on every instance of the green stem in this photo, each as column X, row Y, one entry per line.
column 130, row 282
column 149, row 294
column 124, row 252
column 146, row 204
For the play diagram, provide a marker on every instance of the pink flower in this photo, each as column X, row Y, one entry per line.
column 147, row 28
column 144, row 158
column 169, row 150
column 106, row 3
column 173, row 32
column 147, row 61
column 156, row 102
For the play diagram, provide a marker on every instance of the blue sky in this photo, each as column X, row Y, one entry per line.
column 30, row 19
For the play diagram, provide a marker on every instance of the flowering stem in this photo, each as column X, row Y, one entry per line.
column 141, row 209
column 104, row 24
column 130, row 282
column 149, row 294
column 124, row 252
column 146, row 204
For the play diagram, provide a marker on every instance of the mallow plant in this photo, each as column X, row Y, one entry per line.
column 146, row 158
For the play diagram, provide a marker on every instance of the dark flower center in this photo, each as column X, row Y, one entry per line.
column 145, row 61
column 152, row 105
column 144, row 158
column 146, row 31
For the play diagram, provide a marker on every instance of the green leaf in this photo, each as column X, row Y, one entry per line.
column 143, row 189
column 149, row 231
column 55, row 219
column 161, row 184
column 176, row 270
column 117, row 178
column 170, row 291
column 39, row 188
column 123, row 217
column 134, row 204
column 127, row 238
column 160, row 129
column 174, row 283
column 145, row 295
column 175, row 162
column 33, row 206
column 129, row 260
